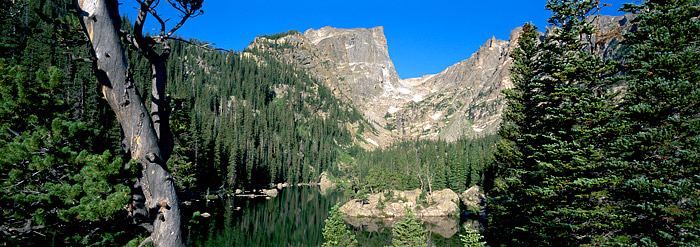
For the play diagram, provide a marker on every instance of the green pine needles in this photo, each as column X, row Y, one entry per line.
column 582, row 165
column 471, row 237
column 50, row 180
column 409, row 232
column 335, row 232
column 656, row 154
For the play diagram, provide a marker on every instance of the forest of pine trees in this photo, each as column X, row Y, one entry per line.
column 423, row 164
column 582, row 162
column 240, row 120
column 60, row 148
column 591, row 151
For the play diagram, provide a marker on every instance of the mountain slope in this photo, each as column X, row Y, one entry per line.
column 464, row 100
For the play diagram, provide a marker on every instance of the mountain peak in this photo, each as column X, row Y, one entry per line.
column 317, row 35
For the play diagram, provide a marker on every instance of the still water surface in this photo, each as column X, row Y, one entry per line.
column 294, row 218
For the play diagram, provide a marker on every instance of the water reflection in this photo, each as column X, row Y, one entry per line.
column 294, row 218
column 443, row 231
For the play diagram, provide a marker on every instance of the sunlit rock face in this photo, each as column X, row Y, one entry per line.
column 465, row 99
column 361, row 57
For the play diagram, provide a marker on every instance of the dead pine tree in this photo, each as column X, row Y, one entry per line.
column 147, row 136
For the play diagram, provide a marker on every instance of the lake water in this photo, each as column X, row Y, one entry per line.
column 294, row 218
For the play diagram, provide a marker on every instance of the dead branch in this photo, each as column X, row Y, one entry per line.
column 206, row 46
column 79, row 59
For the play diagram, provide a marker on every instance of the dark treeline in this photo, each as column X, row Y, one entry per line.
column 63, row 180
column 240, row 120
column 247, row 120
column 578, row 162
column 583, row 163
column 425, row 164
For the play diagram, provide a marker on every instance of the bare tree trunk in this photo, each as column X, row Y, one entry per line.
column 430, row 183
column 417, row 163
column 101, row 22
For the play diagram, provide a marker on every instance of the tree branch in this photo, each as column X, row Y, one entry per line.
column 79, row 59
column 189, row 9
column 206, row 46
column 141, row 17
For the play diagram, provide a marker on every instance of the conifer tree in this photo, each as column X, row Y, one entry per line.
column 520, row 120
column 656, row 156
column 49, row 179
column 57, row 172
column 409, row 232
column 335, row 232
column 554, row 179
column 471, row 238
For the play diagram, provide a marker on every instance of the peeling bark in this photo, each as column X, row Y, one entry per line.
column 147, row 136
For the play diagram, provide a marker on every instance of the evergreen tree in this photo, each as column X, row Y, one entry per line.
column 553, row 191
column 50, row 181
column 471, row 238
column 60, row 184
column 409, row 232
column 335, row 233
column 520, row 119
column 656, row 155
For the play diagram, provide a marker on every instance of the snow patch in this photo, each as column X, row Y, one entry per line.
column 417, row 98
column 358, row 63
column 477, row 129
column 436, row 116
column 372, row 141
column 433, row 90
column 393, row 110
column 427, row 127
column 403, row 90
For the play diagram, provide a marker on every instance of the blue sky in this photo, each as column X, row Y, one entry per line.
column 424, row 37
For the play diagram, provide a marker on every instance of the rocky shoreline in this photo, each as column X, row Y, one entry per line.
column 443, row 203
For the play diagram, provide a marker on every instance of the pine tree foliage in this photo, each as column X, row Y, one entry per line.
column 553, row 134
column 248, row 120
column 471, row 238
column 520, row 120
column 580, row 167
column 51, row 179
column 335, row 232
column 455, row 165
column 55, row 136
column 409, row 232
column 656, row 155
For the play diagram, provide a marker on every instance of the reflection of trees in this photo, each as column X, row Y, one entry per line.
column 294, row 218
column 446, row 227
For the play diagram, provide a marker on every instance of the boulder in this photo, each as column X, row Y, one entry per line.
column 445, row 205
column 362, row 208
column 282, row 185
column 324, row 184
column 473, row 197
column 410, row 195
column 270, row 192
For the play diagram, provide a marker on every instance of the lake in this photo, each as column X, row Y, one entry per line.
column 294, row 218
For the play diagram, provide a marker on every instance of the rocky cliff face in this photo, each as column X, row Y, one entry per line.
column 354, row 63
column 463, row 100
column 361, row 57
